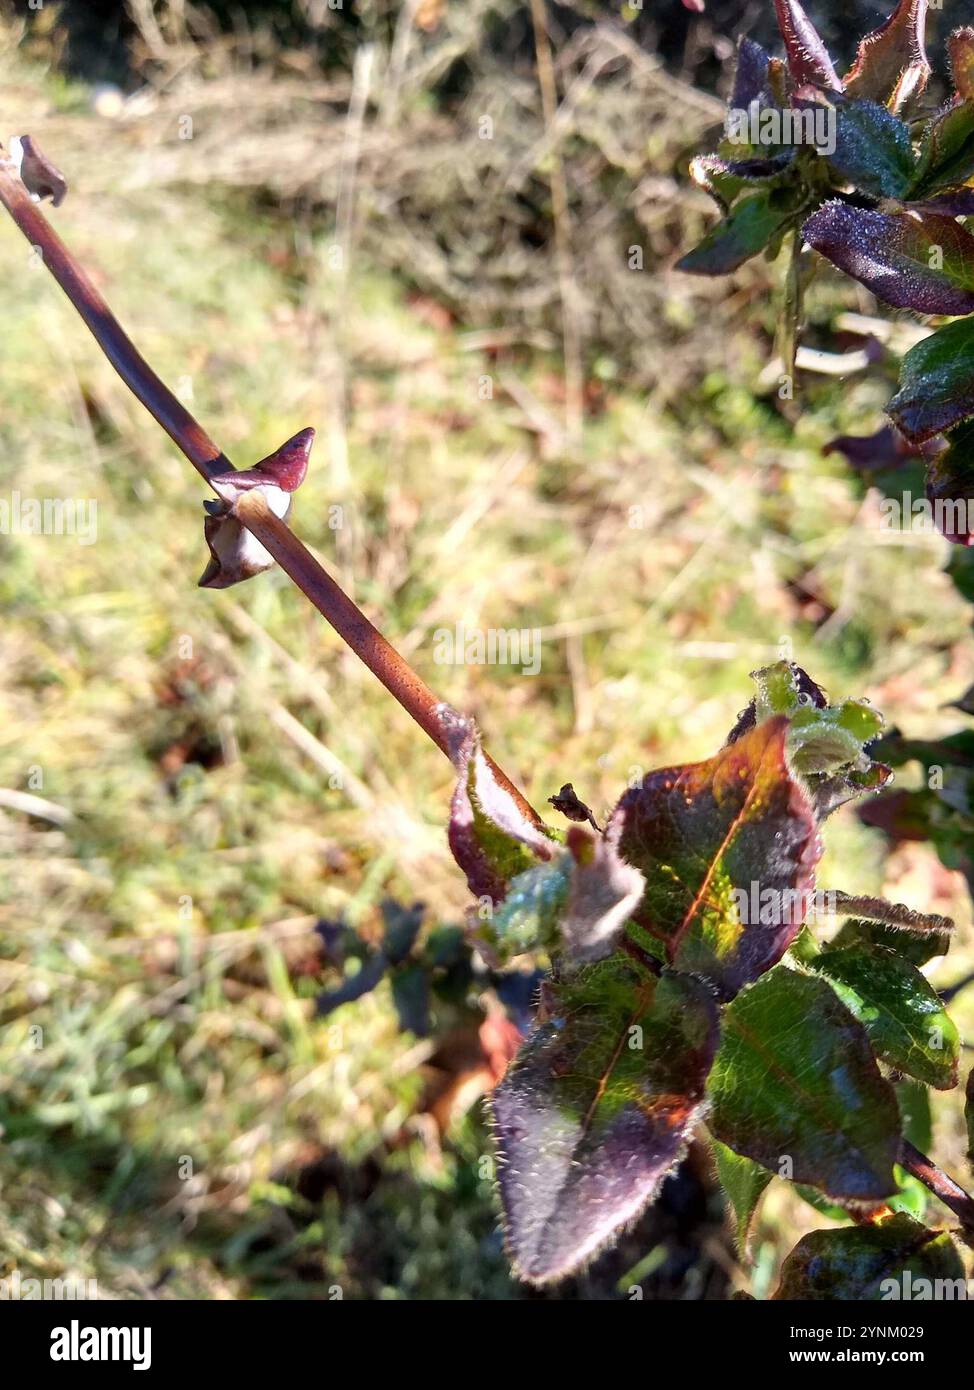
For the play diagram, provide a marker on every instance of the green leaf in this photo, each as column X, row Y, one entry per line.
column 891, row 65
column 894, row 1259
column 795, row 1086
column 491, row 837
column 960, row 47
column 873, row 150
column 915, row 947
column 726, row 179
column 969, row 1114
column 936, row 383
column 907, row 1024
column 527, row 918
column 912, row 261
column 743, row 1181
column 728, row 849
column 914, row 1102
column 595, row 1109
column 751, row 225
column 581, row 900
column 946, row 154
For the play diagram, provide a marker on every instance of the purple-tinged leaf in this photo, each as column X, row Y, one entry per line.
column 602, row 895
column 795, row 1086
column 491, row 839
column 895, row 1258
column 950, row 486
column 808, row 58
column 873, row 150
column 748, row 228
column 828, row 792
column 891, row 64
column 874, row 453
column 595, row 1110
column 960, row 48
column 751, row 77
column 902, row 815
column 917, row 945
column 286, row 468
column 235, row 554
column 951, row 202
column 726, row 179
column 912, row 262
column 946, row 157
column 728, row 848
column 936, row 383
column 40, row 177
column 890, row 914
column 578, row 901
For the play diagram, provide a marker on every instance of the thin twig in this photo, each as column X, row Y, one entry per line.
column 952, row 1195
column 187, row 434
column 560, row 218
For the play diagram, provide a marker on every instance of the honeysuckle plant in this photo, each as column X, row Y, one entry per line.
column 686, row 989
column 864, row 171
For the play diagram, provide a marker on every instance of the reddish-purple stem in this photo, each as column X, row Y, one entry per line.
column 187, row 434
column 941, row 1184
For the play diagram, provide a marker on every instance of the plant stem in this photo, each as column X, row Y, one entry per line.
column 185, row 432
column 940, row 1183
column 208, row 459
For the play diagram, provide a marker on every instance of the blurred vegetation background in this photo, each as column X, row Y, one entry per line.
column 343, row 218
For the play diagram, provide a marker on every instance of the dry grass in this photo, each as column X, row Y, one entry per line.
column 227, row 767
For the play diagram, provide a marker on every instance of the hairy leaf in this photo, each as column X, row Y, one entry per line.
column 751, row 225
column 946, row 151
column 751, row 76
column 907, row 1023
column 919, row 945
column 873, row 150
column 581, row 899
column 950, row 486
column 936, row 383
column 808, row 58
column 960, row 48
column 744, row 1182
column 795, row 1087
column 603, row 893
column 891, row 65
column 527, row 919
column 490, row 837
column 911, row 261
column 725, row 179
column 595, row 1109
column 867, row 1263
column 728, row 849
